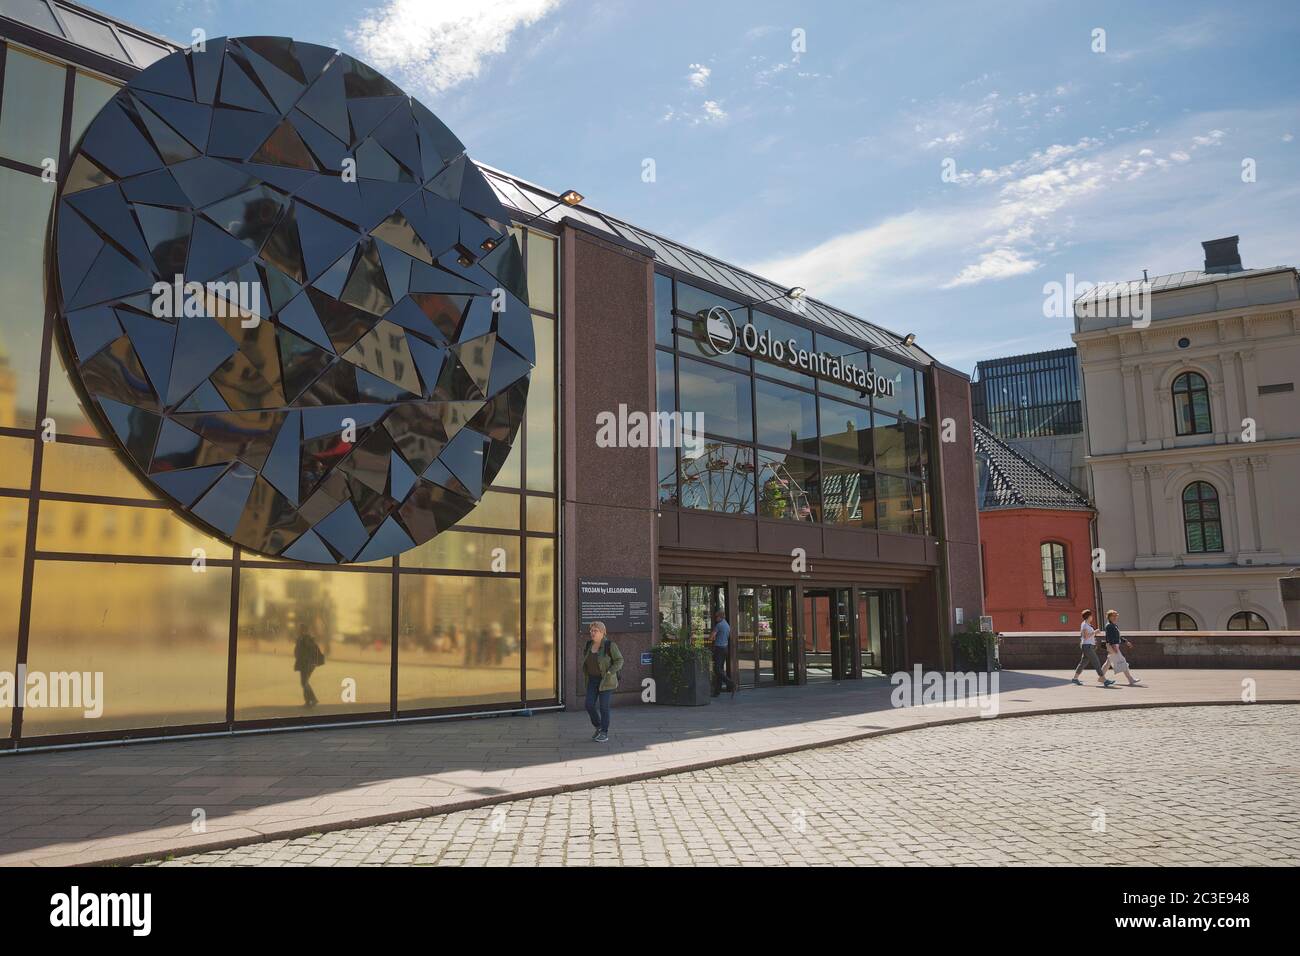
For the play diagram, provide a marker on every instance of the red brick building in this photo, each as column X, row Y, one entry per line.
column 1035, row 540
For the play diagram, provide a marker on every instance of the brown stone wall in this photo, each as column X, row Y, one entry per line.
column 959, row 525
column 607, row 359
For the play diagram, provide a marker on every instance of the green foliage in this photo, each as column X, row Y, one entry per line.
column 972, row 645
column 676, row 660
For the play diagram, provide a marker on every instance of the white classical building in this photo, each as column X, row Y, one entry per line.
column 1192, row 423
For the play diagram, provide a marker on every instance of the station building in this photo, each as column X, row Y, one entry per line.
column 828, row 508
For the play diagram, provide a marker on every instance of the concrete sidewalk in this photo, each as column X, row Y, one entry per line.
column 124, row 804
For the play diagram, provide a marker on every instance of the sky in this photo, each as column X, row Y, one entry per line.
column 930, row 167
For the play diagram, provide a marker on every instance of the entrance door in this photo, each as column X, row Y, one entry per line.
column 880, row 629
column 765, row 651
column 830, row 644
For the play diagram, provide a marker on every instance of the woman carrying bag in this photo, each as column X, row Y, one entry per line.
column 1115, row 659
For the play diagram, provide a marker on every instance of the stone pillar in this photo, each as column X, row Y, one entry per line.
column 1250, row 385
column 1264, row 491
column 1151, row 405
column 607, row 359
column 1241, row 493
column 1232, row 396
column 1161, row 506
column 1131, row 405
column 1141, row 511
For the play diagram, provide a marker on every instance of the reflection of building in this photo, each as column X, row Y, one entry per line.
column 116, row 583
column 1193, row 429
column 1033, row 402
column 1035, row 541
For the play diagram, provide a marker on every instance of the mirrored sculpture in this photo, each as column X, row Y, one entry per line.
column 292, row 300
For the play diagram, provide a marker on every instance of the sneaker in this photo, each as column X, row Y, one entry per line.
column 1076, row 681
column 600, row 737
column 595, row 735
column 1107, row 683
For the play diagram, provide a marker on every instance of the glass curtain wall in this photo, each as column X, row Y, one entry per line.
column 96, row 575
column 779, row 443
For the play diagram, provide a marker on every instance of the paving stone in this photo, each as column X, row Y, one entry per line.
column 1022, row 792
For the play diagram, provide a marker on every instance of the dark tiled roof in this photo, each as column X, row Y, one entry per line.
column 1008, row 479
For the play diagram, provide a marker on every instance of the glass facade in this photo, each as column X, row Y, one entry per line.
column 97, row 575
column 781, row 443
column 1029, row 396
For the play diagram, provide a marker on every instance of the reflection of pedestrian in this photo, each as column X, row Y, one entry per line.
column 307, row 657
column 497, row 642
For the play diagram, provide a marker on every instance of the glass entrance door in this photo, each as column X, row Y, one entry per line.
column 830, row 644
column 880, row 629
column 817, row 642
column 765, row 648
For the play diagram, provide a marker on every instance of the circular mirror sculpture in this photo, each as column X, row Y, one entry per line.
column 292, row 300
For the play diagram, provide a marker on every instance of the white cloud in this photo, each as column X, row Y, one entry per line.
column 713, row 111
column 699, row 75
column 998, row 264
column 1010, row 220
column 439, row 44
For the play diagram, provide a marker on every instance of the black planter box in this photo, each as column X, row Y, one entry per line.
column 694, row 689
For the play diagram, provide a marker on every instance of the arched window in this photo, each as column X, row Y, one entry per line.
column 1201, row 521
column 1054, row 579
column 1191, row 404
column 1177, row 621
column 1247, row 621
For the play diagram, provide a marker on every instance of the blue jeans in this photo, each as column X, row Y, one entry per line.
column 598, row 704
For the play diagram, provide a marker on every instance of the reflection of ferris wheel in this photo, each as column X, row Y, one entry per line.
column 796, row 498
column 722, row 476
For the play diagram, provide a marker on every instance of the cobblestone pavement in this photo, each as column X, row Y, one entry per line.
column 1170, row 786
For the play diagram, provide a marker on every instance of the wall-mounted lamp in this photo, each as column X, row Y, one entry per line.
column 570, row 197
column 794, row 292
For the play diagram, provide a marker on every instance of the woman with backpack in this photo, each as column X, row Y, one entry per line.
column 601, row 662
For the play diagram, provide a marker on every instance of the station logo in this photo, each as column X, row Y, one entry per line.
column 723, row 337
column 720, row 327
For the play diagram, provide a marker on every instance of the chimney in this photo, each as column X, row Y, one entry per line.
column 1221, row 255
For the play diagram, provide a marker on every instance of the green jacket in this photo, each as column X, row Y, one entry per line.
column 610, row 659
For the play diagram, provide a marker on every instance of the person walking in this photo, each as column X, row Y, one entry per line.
column 721, row 653
column 1115, row 658
column 1088, row 651
column 601, row 663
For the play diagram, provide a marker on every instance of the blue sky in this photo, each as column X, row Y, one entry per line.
column 823, row 167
